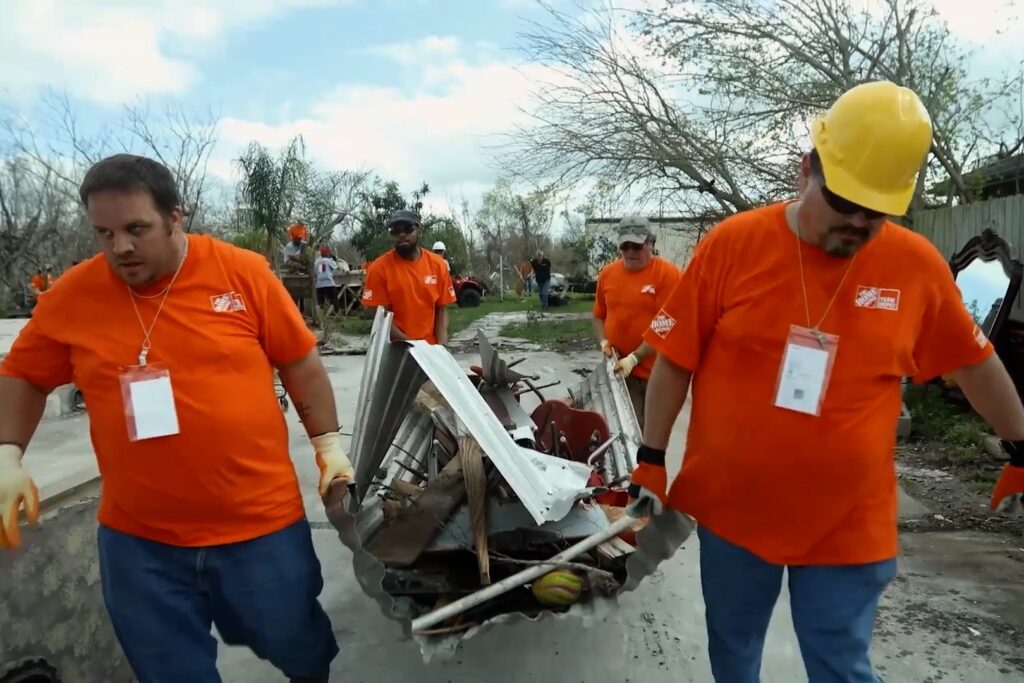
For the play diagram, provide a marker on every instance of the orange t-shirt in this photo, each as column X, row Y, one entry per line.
column 227, row 476
column 412, row 290
column 627, row 301
column 790, row 487
column 39, row 283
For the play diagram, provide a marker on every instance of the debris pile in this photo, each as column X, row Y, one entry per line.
column 467, row 507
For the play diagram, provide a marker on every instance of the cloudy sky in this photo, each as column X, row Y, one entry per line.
column 409, row 88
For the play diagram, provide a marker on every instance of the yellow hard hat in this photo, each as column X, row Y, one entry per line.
column 872, row 142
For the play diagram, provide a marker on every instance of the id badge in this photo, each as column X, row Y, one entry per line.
column 806, row 370
column 148, row 402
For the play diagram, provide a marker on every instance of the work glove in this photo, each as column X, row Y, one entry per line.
column 332, row 461
column 1011, row 481
column 606, row 348
column 649, row 480
column 16, row 490
column 627, row 365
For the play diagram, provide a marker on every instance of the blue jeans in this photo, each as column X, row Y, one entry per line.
column 260, row 593
column 833, row 611
column 542, row 289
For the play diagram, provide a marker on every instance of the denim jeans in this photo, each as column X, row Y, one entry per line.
column 260, row 593
column 833, row 609
column 543, row 288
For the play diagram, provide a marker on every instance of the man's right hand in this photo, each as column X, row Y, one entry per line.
column 16, row 490
column 606, row 348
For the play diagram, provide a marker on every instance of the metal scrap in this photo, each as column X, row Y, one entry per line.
column 419, row 413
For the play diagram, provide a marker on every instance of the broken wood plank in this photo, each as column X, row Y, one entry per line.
column 405, row 539
column 406, row 489
column 476, row 491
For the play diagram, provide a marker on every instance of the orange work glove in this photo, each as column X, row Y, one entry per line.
column 649, row 479
column 1011, row 481
column 16, row 490
column 332, row 461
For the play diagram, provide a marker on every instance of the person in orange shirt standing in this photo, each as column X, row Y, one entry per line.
column 796, row 324
column 630, row 291
column 411, row 282
column 173, row 339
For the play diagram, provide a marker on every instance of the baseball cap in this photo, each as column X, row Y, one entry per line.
column 403, row 216
column 636, row 229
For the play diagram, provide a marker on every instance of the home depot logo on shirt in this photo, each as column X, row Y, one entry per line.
column 876, row 297
column 228, row 302
column 430, row 279
column 647, row 289
column 663, row 324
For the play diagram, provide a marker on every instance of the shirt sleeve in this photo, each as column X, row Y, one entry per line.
column 447, row 288
column 283, row 333
column 686, row 321
column 37, row 357
column 670, row 276
column 375, row 291
column 600, row 305
column 948, row 339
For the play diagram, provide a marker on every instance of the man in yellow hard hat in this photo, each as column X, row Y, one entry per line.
column 796, row 323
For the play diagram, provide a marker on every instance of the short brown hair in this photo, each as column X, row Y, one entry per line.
column 126, row 172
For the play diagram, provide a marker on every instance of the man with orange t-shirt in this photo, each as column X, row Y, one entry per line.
column 412, row 283
column 796, row 324
column 173, row 339
column 630, row 291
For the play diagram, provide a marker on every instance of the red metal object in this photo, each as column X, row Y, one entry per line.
column 582, row 429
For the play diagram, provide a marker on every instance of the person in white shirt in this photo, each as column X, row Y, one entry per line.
column 323, row 271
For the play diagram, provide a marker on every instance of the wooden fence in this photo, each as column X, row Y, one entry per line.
column 949, row 229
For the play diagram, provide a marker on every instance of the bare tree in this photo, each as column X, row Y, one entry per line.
column 512, row 224
column 709, row 101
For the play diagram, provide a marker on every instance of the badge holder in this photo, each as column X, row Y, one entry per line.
column 806, row 370
column 148, row 401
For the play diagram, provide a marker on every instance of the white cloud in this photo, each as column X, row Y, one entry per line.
column 434, row 133
column 412, row 53
column 112, row 51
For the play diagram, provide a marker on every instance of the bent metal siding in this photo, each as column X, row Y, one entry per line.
column 949, row 229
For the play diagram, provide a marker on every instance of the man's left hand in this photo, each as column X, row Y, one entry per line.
column 331, row 459
column 627, row 365
column 1011, row 481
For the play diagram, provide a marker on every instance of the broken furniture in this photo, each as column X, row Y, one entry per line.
column 989, row 280
column 463, row 495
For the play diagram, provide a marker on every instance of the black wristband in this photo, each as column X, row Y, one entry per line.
column 1014, row 449
column 633, row 491
column 650, row 456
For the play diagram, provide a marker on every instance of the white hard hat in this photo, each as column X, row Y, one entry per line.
column 439, row 246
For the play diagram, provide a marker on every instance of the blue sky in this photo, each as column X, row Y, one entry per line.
column 412, row 89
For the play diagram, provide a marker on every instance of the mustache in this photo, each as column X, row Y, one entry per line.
column 851, row 230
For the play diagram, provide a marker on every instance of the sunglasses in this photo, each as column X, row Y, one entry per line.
column 402, row 228
column 846, row 207
column 630, row 246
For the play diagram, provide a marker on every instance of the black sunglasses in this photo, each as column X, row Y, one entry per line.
column 402, row 228
column 845, row 206
column 630, row 246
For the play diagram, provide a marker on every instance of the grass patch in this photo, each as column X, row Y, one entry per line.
column 934, row 419
column 558, row 335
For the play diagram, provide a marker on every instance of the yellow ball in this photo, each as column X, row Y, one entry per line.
column 559, row 588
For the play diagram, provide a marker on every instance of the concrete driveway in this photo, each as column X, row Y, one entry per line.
column 951, row 587
column 956, row 612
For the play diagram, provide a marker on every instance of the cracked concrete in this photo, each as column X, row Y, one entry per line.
column 956, row 613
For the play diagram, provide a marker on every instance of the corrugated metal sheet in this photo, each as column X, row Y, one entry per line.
column 949, row 229
column 605, row 391
column 547, row 486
